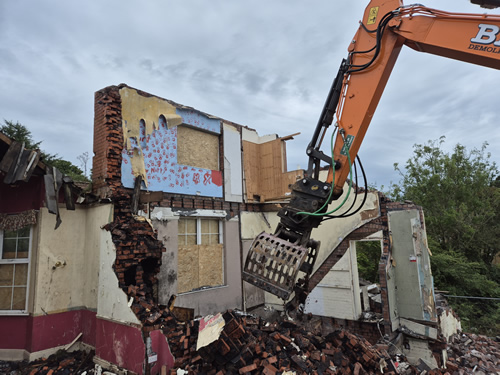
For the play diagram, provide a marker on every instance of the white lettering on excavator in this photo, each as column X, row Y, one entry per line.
column 487, row 34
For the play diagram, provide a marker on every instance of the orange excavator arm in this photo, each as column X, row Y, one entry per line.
column 275, row 260
column 385, row 28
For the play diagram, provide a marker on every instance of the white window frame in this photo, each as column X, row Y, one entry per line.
column 18, row 261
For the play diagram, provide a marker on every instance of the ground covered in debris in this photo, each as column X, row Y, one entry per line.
column 247, row 344
column 250, row 345
column 61, row 363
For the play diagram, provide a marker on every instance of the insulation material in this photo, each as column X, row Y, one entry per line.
column 151, row 148
column 197, row 148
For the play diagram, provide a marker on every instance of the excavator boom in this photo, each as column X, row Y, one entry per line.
column 275, row 261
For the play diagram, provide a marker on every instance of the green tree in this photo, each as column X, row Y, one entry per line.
column 21, row 133
column 461, row 199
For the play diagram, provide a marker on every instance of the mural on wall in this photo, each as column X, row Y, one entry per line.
column 150, row 127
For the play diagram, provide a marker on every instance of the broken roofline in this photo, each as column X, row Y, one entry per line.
column 19, row 164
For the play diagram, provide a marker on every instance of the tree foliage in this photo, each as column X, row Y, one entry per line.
column 457, row 191
column 460, row 194
column 21, row 133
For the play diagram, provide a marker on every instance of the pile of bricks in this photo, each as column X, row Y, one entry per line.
column 61, row 363
column 249, row 345
column 473, row 353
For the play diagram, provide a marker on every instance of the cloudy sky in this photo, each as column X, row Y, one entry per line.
column 267, row 65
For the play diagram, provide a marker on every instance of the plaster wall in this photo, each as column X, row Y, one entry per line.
column 112, row 302
column 67, row 257
column 449, row 324
column 61, row 263
column 167, row 278
column 96, row 218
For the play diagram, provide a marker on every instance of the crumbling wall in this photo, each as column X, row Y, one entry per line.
column 139, row 136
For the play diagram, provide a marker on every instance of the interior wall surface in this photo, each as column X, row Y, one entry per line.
column 411, row 266
column 112, row 302
column 167, row 277
column 151, row 146
column 338, row 294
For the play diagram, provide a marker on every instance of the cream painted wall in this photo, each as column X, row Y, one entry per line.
column 60, row 262
column 66, row 260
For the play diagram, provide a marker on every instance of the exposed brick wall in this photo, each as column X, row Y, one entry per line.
column 108, row 142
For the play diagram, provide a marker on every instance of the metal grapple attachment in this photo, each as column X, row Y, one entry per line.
column 273, row 263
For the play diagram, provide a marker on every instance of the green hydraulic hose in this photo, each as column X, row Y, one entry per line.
column 316, row 213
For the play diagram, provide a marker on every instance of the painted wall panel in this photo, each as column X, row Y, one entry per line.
column 233, row 176
column 412, row 271
column 14, row 330
column 53, row 330
column 151, row 147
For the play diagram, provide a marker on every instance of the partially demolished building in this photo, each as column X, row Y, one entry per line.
column 177, row 198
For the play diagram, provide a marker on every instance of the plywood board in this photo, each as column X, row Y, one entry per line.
column 265, row 170
column 197, row 148
column 251, row 162
column 210, row 266
column 188, row 274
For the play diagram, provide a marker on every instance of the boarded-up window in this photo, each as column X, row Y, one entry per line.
column 200, row 257
column 197, row 148
column 14, row 265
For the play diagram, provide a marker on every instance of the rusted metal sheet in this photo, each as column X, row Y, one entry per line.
column 273, row 264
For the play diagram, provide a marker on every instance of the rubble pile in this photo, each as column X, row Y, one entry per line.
column 473, row 353
column 249, row 345
column 60, row 363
